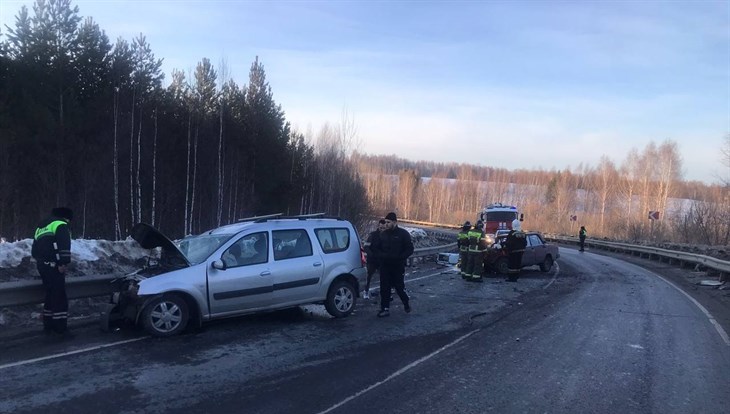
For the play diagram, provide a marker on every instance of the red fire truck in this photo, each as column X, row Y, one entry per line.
column 498, row 216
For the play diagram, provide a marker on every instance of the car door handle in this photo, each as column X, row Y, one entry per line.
column 265, row 273
column 317, row 264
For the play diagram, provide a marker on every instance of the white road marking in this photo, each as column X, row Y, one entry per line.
column 555, row 276
column 711, row 318
column 399, row 372
column 426, row 276
column 636, row 346
column 78, row 351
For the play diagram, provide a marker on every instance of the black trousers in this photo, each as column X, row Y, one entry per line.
column 392, row 276
column 372, row 268
column 55, row 306
column 582, row 242
column 514, row 261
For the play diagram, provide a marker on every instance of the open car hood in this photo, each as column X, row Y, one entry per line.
column 150, row 238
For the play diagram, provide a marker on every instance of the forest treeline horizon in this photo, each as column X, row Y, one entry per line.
column 88, row 123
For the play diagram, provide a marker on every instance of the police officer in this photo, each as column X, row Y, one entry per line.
column 462, row 240
column 475, row 257
column 52, row 251
column 582, row 236
column 515, row 245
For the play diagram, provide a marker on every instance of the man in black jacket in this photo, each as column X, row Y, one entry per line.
column 52, row 251
column 392, row 248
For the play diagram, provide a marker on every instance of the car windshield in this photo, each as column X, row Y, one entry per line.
column 198, row 248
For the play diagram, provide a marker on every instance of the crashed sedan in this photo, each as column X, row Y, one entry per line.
column 255, row 265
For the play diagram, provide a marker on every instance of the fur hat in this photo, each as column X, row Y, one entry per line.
column 63, row 212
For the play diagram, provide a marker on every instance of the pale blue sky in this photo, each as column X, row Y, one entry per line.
column 515, row 84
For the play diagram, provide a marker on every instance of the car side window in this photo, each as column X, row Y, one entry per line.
column 289, row 244
column 535, row 240
column 333, row 240
column 248, row 250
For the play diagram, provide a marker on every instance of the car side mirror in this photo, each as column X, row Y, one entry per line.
column 218, row 264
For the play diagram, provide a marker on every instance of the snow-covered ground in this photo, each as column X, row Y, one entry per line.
column 101, row 257
column 88, row 257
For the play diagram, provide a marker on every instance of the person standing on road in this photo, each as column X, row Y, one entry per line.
column 475, row 258
column 372, row 261
column 462, row 241
column 582, row 237
column 392, row 248
column 515, row 245
column 52, row 251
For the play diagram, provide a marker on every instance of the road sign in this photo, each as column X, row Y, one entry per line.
column 653, row 215
column 573, row 218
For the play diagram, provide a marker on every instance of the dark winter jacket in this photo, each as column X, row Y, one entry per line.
column 372, row 260
column 582, row 234
column 52, row 242
column 393, row 247
column 516, row 241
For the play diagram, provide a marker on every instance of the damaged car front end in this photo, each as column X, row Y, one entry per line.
column 131, row 295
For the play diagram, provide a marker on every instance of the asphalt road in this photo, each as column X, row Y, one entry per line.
column 594, row 335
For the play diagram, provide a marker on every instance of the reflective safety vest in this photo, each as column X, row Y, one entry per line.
column 462, row 240
column 52, row 243
column 475, row 240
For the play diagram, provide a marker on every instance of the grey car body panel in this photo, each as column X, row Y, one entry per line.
column 271, row 285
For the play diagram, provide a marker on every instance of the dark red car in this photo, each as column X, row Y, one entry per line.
column 538, row 252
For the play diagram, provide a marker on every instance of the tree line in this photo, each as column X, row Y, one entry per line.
column 610, row 200
column 88, row 124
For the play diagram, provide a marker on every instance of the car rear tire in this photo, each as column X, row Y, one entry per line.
column 166, row 315
column 501, row 266
column 340, row 299
column 547, row 264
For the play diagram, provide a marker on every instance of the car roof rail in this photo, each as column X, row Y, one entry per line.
column 313, row 215
column 257, row 218
column 298, row 217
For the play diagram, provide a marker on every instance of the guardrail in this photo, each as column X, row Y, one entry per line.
column 31, row 291
column 651, row 252
column 28, row 292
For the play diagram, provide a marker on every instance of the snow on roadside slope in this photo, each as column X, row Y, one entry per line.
column 100, row 257
column 88, row 257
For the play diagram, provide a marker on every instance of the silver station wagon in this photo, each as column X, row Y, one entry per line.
column 257, row 264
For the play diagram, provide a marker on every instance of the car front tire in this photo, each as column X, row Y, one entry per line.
column 340, row 299
column 166, row 316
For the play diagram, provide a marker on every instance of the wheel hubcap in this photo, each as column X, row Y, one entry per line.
column 166, row 316
column 343, row 299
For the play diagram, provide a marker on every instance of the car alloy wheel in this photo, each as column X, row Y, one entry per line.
column 340, row 299
column 166, row 315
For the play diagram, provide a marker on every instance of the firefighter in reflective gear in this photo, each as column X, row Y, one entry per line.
column 52, row 251
column 462, row 240
column 515, row 245
column 475, row 254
